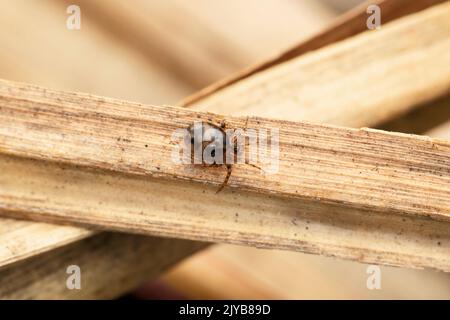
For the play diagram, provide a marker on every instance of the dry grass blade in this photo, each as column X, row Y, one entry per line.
column 349, row 24
column 369, row 78
column 122, row 151
column 105, row 271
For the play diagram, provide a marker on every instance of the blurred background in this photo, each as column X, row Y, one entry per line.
column 158, row 52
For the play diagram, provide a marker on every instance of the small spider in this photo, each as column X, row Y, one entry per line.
column 213, row 135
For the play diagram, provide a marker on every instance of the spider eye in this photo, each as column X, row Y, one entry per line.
column 213, row 153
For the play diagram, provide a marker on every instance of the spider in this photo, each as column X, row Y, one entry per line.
column 211, row 135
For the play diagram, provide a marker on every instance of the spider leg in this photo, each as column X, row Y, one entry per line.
column 248, row 143
column 235, row 138
column 225, row 182
column 246, row 123
column 255, row 166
